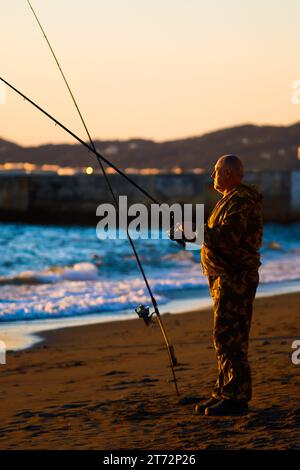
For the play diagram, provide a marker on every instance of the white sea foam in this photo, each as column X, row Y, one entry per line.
column 77, row 272
column 60, row 297
column 284, row 268
column 79, row 289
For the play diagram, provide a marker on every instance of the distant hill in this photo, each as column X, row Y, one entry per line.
column 260, row 147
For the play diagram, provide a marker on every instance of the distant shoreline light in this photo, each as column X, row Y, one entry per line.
column 31, row 168
column 89, row 170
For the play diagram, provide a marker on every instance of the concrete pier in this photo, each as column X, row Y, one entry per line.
column 50, row 198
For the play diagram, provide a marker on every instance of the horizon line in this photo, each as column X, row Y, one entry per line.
column 195, row 136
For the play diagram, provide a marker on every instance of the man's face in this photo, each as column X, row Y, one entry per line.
column 221, row 176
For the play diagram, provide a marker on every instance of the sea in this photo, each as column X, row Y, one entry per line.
column 58, row 276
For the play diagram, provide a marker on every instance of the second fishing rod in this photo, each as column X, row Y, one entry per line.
column 170, row 349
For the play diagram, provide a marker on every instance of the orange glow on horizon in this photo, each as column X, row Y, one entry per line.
column 154, row 75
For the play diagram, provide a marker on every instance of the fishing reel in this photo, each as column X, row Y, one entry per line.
column 171, row 234
column 144, row 313
column 180, row 228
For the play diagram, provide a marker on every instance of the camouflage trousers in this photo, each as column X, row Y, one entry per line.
column 233, row 298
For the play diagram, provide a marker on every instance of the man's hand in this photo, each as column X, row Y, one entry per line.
column 183, row 232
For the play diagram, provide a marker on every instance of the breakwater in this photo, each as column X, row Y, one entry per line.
column 51, row 198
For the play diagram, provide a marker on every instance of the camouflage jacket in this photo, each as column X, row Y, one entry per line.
column 233, row 233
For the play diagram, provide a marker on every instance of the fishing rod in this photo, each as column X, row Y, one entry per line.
column 141, row 310
column 88, row 147
column 81, row 141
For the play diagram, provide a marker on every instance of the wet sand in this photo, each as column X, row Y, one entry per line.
column 108, row 386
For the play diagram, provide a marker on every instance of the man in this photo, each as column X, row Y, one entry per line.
column 230, row 260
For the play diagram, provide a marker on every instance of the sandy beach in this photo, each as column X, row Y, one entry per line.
column 108, row 386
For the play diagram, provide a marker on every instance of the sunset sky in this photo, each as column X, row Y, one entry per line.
column 158, row 69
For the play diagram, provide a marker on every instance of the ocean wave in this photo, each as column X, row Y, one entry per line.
column 77, row 272
column 182, row 257
column 64, row 298
column 59, row 272
column 285, row 268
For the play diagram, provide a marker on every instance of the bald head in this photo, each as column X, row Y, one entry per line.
column 233, row 163
column 228, row 173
